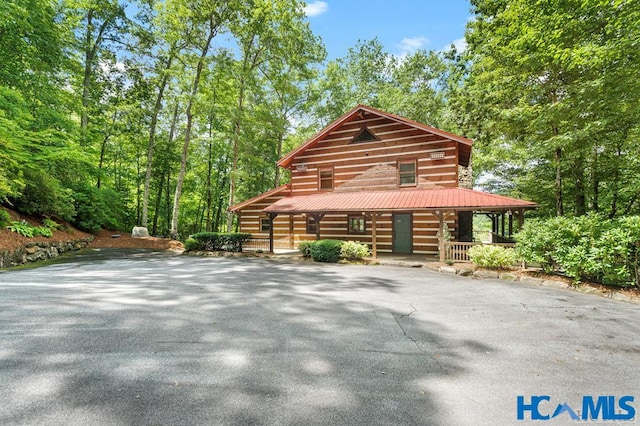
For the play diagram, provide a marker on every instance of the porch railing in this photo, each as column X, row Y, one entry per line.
column 458, row 251
column 256, row 244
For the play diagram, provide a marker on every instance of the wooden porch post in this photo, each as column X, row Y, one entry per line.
column 271, row 217
column 317, row 217
column 441, row 254
column 374, row 245
column 291, row 237
column 510, row 214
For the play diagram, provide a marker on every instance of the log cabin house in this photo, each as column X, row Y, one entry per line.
column 380, row 179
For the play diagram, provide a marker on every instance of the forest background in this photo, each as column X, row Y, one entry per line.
column 164, row 113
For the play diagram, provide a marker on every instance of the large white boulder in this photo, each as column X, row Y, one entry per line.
column 139, row 231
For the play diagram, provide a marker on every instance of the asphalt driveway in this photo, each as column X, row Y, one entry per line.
column 138, row 338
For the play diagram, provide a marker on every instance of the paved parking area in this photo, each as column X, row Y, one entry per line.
column 113, row 338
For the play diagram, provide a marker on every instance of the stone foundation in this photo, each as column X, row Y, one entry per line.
column 36, row 251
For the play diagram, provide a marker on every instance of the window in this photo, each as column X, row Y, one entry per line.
column 312, row 225
column 265, row 225
column 356, row 224
column 365, row 135
column 407, row 172
column 326, row 179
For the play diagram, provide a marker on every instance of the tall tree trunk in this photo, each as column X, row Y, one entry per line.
column 276, row 181
column 234, row 158
column 208, row 197
column 90, row 52
column 187, row 133
column 157, row 207
column 559, row 203
column 152, row 137
column 580, row 197
column 595, row 181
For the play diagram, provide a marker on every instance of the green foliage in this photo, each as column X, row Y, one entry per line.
column 4, row 218
column 22, row 228
column 492, row 257
column 192, row 244
column 96, row 209
column 44, row 195
column 220, row 241
column 42, row 231
column 353, row 250
column 305, row 248
column 51, row 224
column 326, row 251
column 554, row 83
column 588, row 247
column 25, row 229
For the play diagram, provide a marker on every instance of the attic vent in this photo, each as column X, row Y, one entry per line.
column 365, row 135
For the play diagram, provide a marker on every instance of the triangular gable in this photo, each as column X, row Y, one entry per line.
column 463, row 142
column 260, row 197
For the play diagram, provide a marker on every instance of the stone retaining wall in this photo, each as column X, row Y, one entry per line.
column 36, row 251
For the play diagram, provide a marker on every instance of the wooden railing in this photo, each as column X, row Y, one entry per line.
column 458, row 251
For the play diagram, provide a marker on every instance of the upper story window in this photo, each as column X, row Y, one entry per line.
column 407, row 172
column 365, row 135
column 325, row 179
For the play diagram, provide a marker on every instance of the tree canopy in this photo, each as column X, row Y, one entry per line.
column 163, row 113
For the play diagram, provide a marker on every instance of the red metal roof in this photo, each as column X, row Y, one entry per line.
column 465, row 144
column 275, row 191
column 415, row 199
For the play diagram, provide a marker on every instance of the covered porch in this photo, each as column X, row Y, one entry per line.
column 445, row 206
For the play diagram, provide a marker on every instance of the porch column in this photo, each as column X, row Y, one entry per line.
column 291, row 237
column 374, row 245
column 441, row 254
column 317, row 217
column 510, row 214
column 271, row 217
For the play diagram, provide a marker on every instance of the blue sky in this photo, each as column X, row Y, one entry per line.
column 402, row 26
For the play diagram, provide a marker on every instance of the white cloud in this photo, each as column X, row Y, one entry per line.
column 459, row 43
column 316, row 8
column 409, row 45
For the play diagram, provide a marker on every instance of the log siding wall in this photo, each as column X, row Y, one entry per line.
column 364, row 166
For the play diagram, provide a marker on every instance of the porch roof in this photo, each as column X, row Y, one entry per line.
column 398, row 200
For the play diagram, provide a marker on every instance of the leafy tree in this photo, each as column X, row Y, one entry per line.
column 552, row 88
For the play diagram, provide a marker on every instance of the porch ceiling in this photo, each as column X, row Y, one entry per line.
column 398, row 200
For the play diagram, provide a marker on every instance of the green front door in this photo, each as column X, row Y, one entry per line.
column 402, row 239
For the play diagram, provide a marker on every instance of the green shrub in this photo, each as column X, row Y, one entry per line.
column 43, row 194
column 22, row 228
column 43, row 231
column 4, row 218
column 353, row 250
column 220, row 241
column 51, row 224
column 492, row 257
column 326, row 251
column 589, row 247
column 192, row 245
column 97, row 208
column 305, row 248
